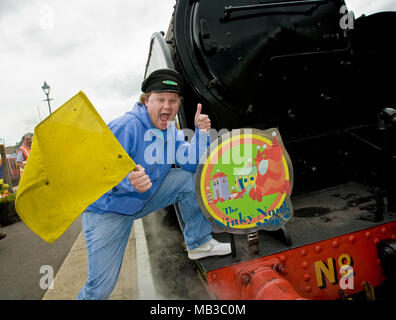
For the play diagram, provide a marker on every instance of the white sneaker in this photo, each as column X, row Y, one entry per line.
column 210, row 248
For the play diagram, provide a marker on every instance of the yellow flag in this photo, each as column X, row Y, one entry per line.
column 74, row 159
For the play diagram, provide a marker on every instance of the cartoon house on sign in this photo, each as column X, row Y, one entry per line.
column 220, row 187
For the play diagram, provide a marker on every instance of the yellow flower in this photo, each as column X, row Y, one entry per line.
column 1, row 181
column 6, row 186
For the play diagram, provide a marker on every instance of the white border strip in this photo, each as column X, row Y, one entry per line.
column 146, row 288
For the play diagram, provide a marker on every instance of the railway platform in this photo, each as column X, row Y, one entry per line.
column 72, row 275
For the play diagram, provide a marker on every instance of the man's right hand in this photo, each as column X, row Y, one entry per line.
column 140, row 180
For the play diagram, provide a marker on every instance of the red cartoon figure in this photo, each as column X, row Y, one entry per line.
column 271, row 175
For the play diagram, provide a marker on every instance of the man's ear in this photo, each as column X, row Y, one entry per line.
column 146, row 99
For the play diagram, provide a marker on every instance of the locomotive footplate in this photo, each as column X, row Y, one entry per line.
column 318, row 216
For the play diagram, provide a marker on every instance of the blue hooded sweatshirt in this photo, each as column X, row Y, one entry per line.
column 155, row 150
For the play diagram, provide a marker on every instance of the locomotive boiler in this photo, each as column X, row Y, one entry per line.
column 323, row 78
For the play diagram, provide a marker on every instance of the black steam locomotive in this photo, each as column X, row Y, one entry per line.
column 324, row 79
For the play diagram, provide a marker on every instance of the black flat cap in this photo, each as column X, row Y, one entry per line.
column 163, row 80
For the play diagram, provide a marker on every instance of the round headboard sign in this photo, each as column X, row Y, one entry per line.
column 244, row 181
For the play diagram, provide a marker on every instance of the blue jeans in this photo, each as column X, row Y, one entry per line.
column 106, row 235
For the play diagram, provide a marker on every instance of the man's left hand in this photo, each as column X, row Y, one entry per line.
column 202, row 121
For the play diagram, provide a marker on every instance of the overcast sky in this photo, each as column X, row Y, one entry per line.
column 97, row 46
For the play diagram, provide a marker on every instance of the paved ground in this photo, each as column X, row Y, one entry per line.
column 155, row 264
column 73, row 274
column 23, row 253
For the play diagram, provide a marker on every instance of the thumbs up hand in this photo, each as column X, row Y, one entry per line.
column 202, row 121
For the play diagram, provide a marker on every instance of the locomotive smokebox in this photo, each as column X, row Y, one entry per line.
column 261, row 62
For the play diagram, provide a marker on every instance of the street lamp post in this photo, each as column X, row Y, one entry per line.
column 46, row 88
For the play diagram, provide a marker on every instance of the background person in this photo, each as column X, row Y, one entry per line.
column 24, row 151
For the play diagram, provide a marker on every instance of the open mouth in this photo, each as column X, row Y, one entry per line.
column 165, row 117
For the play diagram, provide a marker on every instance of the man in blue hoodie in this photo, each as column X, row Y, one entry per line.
column 155, row 144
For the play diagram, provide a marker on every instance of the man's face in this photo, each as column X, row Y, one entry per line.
column 28, row 141
column 162, row 108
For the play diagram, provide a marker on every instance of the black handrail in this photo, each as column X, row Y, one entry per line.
column 229, row 9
